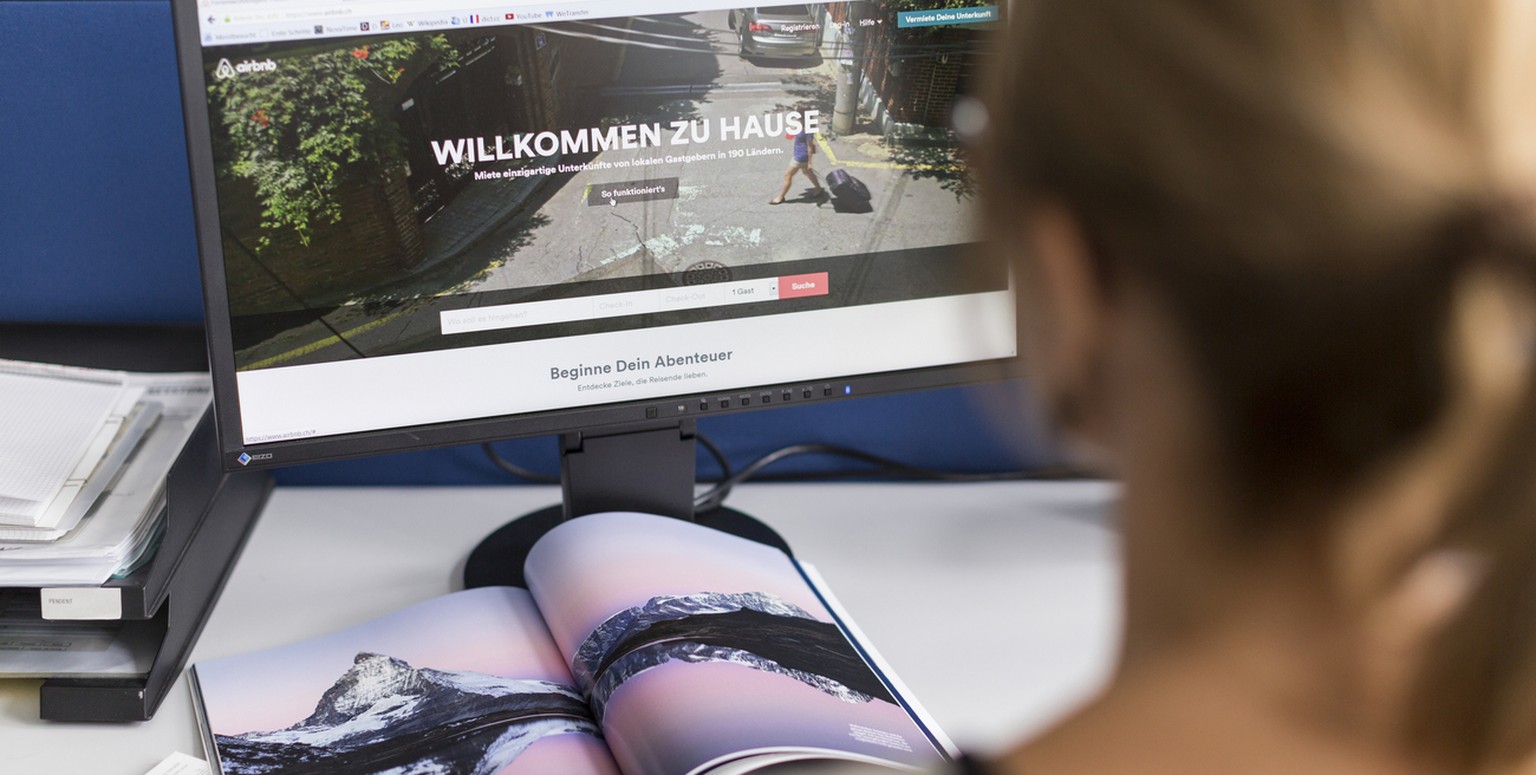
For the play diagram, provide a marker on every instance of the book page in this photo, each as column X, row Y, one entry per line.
column 699, row 648
column 469, row 682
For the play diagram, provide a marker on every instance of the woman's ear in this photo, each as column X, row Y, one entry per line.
column 1065, row 323
column 1396, row 631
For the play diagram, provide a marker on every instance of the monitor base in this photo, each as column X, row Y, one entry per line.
column 649, row 469
column 498, row 559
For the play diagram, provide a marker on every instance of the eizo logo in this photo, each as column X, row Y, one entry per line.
column 226, row 71
column 247, row 458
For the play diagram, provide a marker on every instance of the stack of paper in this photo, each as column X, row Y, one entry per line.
column 83, row 458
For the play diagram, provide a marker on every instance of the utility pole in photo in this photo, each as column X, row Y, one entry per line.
column 845, row 106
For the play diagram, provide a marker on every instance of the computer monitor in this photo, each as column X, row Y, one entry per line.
column 428, row 223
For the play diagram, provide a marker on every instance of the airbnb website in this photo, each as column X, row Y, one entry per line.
column 594, row 207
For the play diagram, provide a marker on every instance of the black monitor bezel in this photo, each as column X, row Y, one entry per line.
column 617, row 416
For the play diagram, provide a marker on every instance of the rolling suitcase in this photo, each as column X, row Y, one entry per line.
column 845, row 186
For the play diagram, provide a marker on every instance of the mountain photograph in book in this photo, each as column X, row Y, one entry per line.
column 464, row 683
column 384, row 715
column 644, row 646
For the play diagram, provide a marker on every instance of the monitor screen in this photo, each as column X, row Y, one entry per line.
column 426, row 222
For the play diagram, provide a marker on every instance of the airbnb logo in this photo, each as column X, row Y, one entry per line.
column 226, row 71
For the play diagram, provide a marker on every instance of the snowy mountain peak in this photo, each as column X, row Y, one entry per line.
column 372, row 677
column 381, row 706
column 381, row 702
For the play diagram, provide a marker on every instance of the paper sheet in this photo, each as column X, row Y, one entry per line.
column 120, row 437
column 180, row 764
column 53, row 429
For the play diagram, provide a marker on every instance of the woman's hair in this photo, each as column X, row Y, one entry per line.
column 1305, row 184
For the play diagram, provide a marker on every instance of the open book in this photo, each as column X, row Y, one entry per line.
column 644, row 645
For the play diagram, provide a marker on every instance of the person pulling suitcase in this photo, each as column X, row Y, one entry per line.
column 805, row 150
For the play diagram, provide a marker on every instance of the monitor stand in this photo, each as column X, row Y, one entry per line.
column 649, row 470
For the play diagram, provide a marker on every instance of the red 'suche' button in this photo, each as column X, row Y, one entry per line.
column 796, row 286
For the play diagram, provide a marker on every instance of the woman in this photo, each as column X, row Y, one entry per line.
column 1281, row 277
column 804, row 152
column 1278, row 273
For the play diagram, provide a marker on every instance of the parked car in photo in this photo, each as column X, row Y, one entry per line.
column 778, row 30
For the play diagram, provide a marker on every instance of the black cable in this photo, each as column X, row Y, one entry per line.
column 880, row 466
column 1043, row 474
column 714, row 452
column 517, row 470
column 875, row 465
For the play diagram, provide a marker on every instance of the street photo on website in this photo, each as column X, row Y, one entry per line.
column 493, row 178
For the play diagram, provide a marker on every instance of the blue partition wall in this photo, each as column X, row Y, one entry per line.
column 96, row 225
column 96, row 215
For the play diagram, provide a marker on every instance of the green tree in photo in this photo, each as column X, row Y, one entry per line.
column 299, row 131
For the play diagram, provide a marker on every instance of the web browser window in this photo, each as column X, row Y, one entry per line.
column 437, row 211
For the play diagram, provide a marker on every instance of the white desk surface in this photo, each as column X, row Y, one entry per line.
column 1020, row 578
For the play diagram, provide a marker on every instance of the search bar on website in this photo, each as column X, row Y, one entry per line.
column 540, row 313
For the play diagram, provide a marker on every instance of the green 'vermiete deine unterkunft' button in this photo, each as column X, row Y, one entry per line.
column 941, row 16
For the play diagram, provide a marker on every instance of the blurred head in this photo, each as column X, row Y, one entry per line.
column 1284, row 247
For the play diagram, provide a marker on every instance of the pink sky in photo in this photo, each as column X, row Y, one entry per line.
column 707, row 710
column 493, row 630
column 589, row 569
